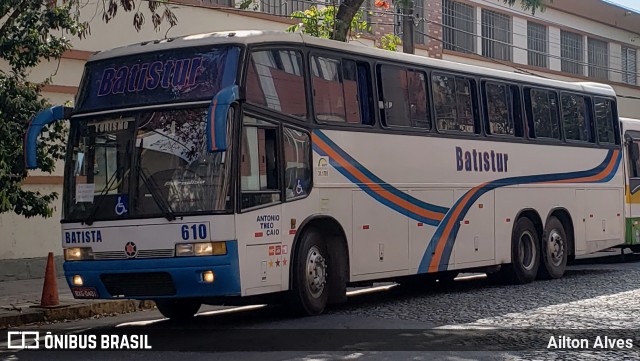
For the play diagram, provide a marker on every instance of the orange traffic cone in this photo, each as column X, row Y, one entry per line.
column 50, row 288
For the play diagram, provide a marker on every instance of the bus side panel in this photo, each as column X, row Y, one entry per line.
column 420, row 233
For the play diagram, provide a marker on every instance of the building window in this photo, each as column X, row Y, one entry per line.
column 453, row 102
column 629, row 70
column 537, row 44
column 282, row 7
column 598, row 59
column 496, row 35
column 458, row 26
column 572, row 53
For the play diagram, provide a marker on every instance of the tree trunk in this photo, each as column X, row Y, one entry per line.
column 346, row 12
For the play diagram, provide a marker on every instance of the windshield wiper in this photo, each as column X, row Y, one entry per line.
column 152, row 186
column 100, row 199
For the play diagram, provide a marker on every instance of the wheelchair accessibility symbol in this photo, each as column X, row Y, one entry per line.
column 299, row 189
column 121, row 205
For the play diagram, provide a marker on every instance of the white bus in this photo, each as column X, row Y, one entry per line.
column 217, row 167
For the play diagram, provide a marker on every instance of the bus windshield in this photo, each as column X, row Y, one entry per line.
column 144, row 164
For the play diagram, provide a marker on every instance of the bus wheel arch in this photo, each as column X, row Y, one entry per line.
column 335, row 240
column 557, row 244
column 525, row 248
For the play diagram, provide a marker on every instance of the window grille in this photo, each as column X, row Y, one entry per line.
column 571, row 51
column 598, row 59
column 629, row 66
column 496, row 35
column 537, row 44
column 459, row 26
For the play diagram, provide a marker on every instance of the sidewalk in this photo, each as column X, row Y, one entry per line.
column 19, row 301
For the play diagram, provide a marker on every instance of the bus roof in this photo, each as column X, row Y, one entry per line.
column 261, row 37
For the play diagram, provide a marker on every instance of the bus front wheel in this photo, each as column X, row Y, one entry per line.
column 525, row 259
column 554, row 250
column 310, row 289
column 178, row 309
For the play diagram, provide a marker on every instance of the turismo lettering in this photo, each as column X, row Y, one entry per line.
column 148, row 76
column 478, row 161
column 82, row 237
column 268, row 223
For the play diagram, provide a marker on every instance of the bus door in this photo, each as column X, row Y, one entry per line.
column 258, row 224
column 633, row 188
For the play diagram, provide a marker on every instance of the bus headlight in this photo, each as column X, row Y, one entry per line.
column 201, row 249
column 78, row 254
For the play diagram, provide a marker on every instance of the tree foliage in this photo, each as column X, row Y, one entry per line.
column 33, row 31
column 348, row 9
column 321, row 22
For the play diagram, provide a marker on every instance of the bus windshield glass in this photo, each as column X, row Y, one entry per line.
column 144, row 164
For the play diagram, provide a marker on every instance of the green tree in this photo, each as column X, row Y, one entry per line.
column 348, row 9
column 32, row 31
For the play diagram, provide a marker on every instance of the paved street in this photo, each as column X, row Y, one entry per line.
column 597, row 296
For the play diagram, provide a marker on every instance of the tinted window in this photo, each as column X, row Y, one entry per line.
column 297, row 153
column 500, row 108
column 275, row 80
column 544, row 112
column 575, row 119
column 335, row 90
column 404, row 94
column 605, row 121
column 453, row 103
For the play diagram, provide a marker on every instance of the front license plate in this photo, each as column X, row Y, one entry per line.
column 84, row 292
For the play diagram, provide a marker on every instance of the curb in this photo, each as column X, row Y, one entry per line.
column 73, row 312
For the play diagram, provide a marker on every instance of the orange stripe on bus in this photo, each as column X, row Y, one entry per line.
column 374, row 186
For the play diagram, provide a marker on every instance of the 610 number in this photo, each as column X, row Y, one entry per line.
column 195, row 231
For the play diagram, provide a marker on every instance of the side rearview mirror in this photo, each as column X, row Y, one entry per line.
column 219, row 115
column 42, row 119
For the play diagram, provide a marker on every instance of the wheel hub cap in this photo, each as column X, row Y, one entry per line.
column 555, row 247
column 316, row 274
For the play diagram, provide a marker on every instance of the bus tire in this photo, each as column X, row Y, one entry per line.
column 525, row 255
column 177, row 309
column 310, row 290
column 553, row 255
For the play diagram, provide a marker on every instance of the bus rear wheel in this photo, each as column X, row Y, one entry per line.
column 525, row 254
column 554, row 250
column 310, row 290
column 178, row 309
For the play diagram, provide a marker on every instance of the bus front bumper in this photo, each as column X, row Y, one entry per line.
column 175, row 277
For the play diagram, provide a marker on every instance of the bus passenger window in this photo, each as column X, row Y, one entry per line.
column 453, row 103
column 259, row 166
column 297, row 153
column 499, row 105
column 575, row 119
column 404, row 94
column 335, row 90
column 604, row 121
column 544, row 111
column 275, row 80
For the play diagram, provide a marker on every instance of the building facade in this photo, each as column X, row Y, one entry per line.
column 590, row 40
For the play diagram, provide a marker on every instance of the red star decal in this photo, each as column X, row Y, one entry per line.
column 131, row 248
column 277, row 263
column 284, row 262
